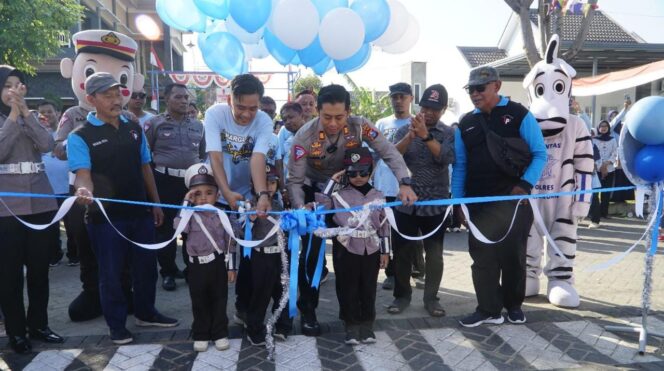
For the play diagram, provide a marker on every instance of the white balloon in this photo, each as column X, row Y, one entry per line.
column 242, row 35
column 256, row 51
column 341, row 33
column 398, row 24
column 408, row 40
column 297, row 33
column 275, row 5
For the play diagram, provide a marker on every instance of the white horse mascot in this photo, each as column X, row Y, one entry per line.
column 569, row 168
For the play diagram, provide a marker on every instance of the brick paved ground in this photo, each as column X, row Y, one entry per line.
column 553, row 338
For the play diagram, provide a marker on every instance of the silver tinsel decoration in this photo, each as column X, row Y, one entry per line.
column 285, row 279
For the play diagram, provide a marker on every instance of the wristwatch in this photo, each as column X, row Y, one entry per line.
column 428, row 138
column 406, row 181
column 264, row 193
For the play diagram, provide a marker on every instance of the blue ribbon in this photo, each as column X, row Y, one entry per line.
column 315, row 222
column 246, row 251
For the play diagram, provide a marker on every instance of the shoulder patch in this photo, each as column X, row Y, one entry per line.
column 368, row 132
column 299, row 152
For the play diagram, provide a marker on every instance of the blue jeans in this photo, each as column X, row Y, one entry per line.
column 113, row 252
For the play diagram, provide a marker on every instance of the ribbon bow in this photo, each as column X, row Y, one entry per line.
column 298, row 223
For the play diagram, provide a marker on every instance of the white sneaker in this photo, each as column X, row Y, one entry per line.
column 200, row 346
column 593, row 225
column 222, row 344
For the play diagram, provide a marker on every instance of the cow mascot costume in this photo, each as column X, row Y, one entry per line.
column 96, row 51
column 569, row 168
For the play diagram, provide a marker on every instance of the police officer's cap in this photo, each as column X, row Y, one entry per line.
column 199, row 174
column 358, row 159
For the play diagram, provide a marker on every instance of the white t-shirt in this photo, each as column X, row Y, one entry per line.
column 144, row 119
column 237, row 143
column 384, row 180
column 273, row 153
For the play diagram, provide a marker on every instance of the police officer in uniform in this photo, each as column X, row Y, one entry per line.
column 176, row 142
column 317, row 154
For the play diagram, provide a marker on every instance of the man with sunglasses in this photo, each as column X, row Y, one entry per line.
column 135, row 106
column 427, row 146
column 498, row 269
column 316, row 155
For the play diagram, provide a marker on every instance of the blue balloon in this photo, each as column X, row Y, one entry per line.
column 645, row 120
column 181, row 15
column 354, row 62
column 376, row 17
column 250, row 14
column 296, row 60
column 217, row 9
column 279, row 51
column 323, row 66
column 312, row 54
column 324, row 6
column 648, row 163
column 224, row 54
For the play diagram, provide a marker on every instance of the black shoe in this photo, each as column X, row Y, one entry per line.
column 73, row 262
column 179, row 275
column 121, row 336
column 388, row 284
column 516, row 316
column 478, row 318
column 169, row 283
column 325, row 276
column 257, row 339
column 158, row 320
column 46, row 335
column 85, row 307
column 367, row 335
column 281, row 334
column 352, row 335
column 20, row 344
column 310, row 326
column 240, row 318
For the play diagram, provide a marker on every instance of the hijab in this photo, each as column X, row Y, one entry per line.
column 5, row 72
column 606, row 136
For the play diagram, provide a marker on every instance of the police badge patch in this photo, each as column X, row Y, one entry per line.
column 299, row 152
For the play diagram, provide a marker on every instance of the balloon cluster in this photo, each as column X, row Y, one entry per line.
column 319, row 34
column 642, row 144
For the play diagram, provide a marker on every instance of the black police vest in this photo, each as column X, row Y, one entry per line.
column 483, row 177
column 115, row 156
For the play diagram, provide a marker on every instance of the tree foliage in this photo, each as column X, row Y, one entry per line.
column 31, row 30
column 366, row 103
column 549, row 23
column 311, row 82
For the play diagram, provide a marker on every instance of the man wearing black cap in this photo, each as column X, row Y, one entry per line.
column 499, row 269
column 427, row 145
column 401, row 97
column 110, row 157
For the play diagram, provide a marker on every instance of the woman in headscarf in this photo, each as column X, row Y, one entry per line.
column 608, row 156
column 22, row 141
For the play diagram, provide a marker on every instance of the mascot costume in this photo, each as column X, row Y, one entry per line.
column 569, row 168
column 96, row 51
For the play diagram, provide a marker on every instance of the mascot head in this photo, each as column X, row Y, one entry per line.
column 549, row 86
column 102, row 51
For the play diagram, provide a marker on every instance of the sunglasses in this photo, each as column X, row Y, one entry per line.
column 356, row 173
column 477, row 88
column 138, row 95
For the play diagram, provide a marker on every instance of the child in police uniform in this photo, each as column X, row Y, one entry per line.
column 266, row 269
column 211, row 261
column 359, row 251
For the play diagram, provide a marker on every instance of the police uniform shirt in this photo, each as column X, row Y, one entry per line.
column 114, row 158
column 237, row 143
column 314, row 161
column 72, row 119
column 176, row 145
column 24, row 141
